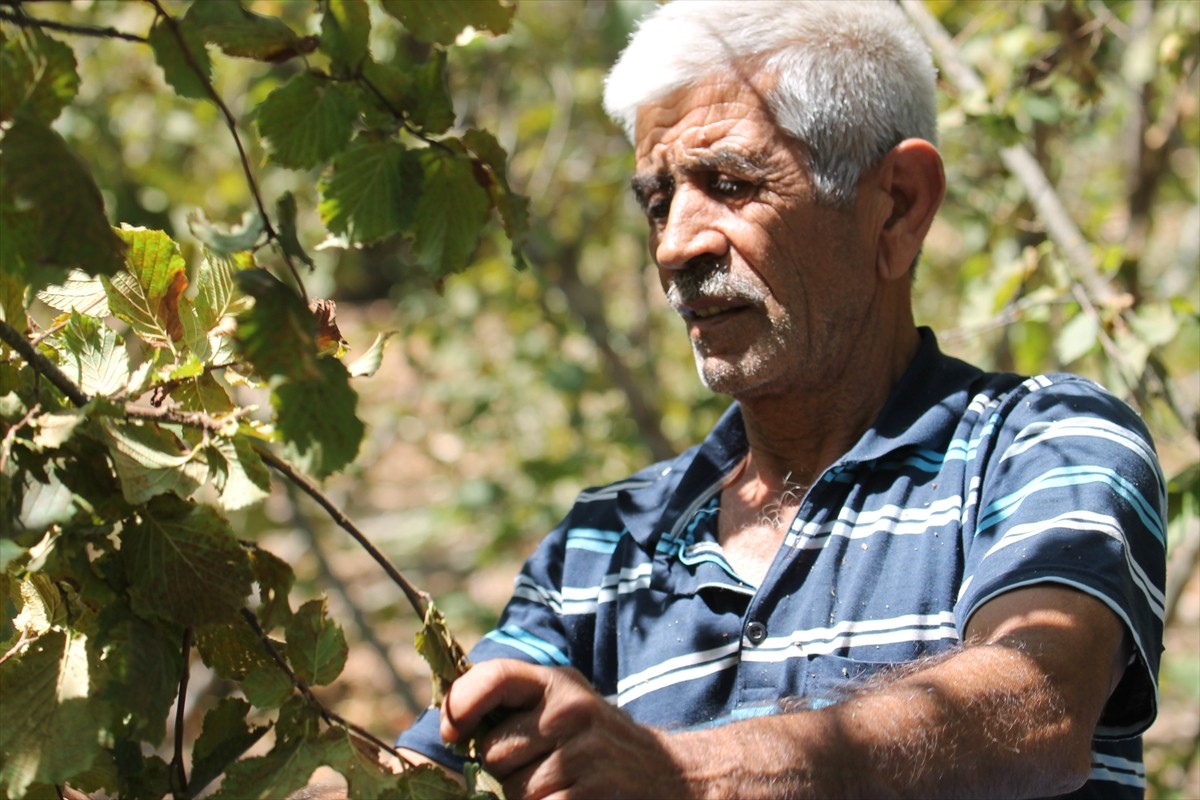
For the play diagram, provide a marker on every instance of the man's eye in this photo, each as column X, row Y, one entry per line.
column 728, row 187
column 658, row 207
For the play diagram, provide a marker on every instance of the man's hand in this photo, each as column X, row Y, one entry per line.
column 557, row 737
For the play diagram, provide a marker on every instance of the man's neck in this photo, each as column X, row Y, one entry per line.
column 795, row 436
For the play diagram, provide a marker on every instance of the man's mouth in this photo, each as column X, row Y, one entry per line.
column 709, row 309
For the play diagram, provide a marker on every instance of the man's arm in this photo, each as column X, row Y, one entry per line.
column 1012, row 713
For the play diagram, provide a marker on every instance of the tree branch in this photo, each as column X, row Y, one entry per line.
column 418, row 599
column 230, row 123
column 1021, row 163
column 11, row 337
column 25, row 21
column 179, row 781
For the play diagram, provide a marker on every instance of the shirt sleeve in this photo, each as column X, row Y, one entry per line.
column 1072, row 494
column 530, row 629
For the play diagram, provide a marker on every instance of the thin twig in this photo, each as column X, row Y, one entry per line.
column 329, row 716
column 11, row 337
column 231, row 123
column 25, row 21
column 179, row 774
column 333, row 582
column 418, row 599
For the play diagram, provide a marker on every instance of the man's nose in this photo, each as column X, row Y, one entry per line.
column 689, row 235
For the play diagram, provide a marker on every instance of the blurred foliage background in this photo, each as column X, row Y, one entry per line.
column 505, row 392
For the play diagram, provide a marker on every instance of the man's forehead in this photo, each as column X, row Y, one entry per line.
column 716, row 115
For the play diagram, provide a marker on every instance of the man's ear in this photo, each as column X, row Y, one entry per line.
column 913, row 178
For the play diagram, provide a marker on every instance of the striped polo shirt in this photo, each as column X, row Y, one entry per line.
column 968, row 485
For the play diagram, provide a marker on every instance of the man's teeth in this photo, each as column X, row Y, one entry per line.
column 708, row 312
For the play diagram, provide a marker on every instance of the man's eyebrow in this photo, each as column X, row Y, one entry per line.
column 745, row 165
column 647, row 184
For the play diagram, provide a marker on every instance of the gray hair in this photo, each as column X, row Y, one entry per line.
column 852, row 78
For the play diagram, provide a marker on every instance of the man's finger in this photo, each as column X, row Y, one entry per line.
column 486, row 687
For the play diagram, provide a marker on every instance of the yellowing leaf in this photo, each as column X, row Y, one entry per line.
column 441, row 651
column 148, row 292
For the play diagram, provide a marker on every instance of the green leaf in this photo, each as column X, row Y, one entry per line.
column 205, row 394
column 13, row 288
column 431, row 106
column 373, row 192
column 39, row 171
column 513, row 207
column 37, row 75
column 225, row 737
column 440, row 22
column 239, row 474
column 451, row 214
column 49, row 683
column 298, row 751
column 426, row 782
column 141, row 671
column 268, row 687
column 244, row 34
column 369, row 362
column 275, row 578
column 79, row 292
column 226, row 240
column 306, row 121
column 93, row 356
column 151, row 461
column 45, row 504
column 318, row 419
column 285, row 222
column 191, row 569
column 53, row 430
column 148, row 292
column 187, row 76
column 233, row 650
column 316, row 646
column 207, row 318
column 1078, row 337
column 345, row 31
column 278, row 334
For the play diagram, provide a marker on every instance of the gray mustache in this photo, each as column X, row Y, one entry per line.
column 710, row 281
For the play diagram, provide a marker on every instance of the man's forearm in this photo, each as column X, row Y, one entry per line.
column 985, row 720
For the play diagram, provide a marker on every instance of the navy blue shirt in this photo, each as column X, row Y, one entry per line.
column 968, row 485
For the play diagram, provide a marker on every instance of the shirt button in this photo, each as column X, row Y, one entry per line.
column 756, row 632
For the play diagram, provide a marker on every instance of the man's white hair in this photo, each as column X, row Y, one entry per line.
column 852, row 78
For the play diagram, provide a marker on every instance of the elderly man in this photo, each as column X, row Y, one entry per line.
column 884, row 572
